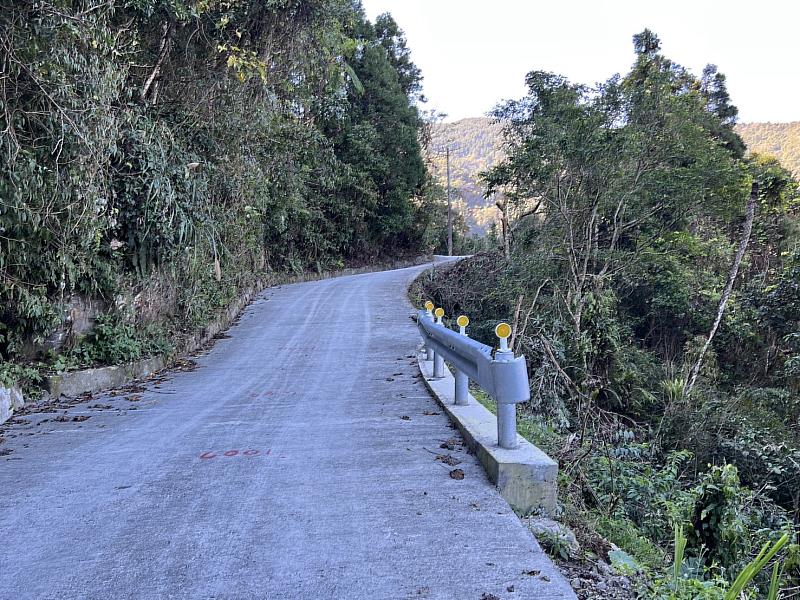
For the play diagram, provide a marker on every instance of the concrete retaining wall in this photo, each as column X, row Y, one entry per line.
column 100, row 378
column 10, row 400
column 76, row 383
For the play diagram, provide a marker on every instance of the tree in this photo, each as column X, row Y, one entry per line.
column 607, row 169
column 393, row 40
column 195, row 146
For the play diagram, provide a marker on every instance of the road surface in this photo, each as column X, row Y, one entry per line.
column 297, row 460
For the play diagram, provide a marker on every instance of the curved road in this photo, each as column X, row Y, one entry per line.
column 298, row 460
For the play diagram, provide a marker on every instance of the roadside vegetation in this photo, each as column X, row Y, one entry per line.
column 651, row 271
column 157, row 158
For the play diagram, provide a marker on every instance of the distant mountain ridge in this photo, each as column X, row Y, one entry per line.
column 781, row 140
column 476, row 144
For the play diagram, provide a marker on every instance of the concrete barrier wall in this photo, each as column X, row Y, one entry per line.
column 10, row 400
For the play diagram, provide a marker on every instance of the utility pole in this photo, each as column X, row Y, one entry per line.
column 449, row 209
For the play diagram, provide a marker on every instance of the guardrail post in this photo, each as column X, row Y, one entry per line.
column 462, row 381
column 428, row 349
column 506, row 411
column 438, row 359
column 497, row 372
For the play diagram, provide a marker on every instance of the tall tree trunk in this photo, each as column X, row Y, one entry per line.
column 150, row 85
column 726, row 294
column 505, row 226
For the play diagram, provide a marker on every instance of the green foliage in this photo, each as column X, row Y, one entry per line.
column 628, row 200
column 112, row 341
column 685, row 583
column 136, row 151
column 26, row 377
column 625, row 534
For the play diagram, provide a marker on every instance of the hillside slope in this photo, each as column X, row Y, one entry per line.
column 476, row 145
column 781, row 140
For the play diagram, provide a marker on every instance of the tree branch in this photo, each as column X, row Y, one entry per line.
column 726, row 294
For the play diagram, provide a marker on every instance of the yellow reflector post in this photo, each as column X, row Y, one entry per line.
column 503, row 330
column 462, row 321
column 429, row 305
column 439, row 312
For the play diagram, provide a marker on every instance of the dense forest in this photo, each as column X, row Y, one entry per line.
column 651, row 271
column 157, row 157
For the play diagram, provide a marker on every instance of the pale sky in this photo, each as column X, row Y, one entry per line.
column 473, row 53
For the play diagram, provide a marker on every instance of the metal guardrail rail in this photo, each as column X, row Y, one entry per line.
column 498, row 372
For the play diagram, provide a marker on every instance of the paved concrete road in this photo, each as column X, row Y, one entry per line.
column 297, row 461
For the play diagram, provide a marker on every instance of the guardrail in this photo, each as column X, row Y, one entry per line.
column 498, row 372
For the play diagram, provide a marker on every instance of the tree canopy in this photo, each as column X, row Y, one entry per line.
column 201, row 143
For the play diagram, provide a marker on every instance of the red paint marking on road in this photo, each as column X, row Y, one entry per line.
column 271, row 394
column 232, row 453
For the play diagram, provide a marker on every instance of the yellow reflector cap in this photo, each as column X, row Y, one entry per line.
column 429, row 305
column 462, row 321
column 503, row 330
column 439, row 312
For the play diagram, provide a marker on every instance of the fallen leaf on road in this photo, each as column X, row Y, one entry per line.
column 457, row 474
column 80, row 418
column 450, row 444
column 134, row 398
column 532, row 573
column 185, row 364
column 448, row 460
column 405, row 418
column 431, row 413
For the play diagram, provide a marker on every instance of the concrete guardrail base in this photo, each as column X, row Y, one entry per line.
column 524, row 476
